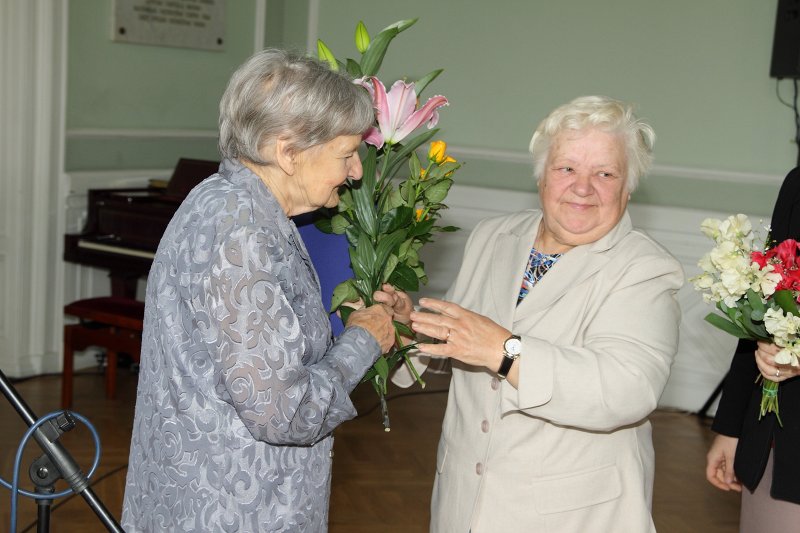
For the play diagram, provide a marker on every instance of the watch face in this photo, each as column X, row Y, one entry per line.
column 513, row 346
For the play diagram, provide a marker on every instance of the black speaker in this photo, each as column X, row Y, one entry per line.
column 786, row 46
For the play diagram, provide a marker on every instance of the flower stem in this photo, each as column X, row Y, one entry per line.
column 401, row 345
column 769, row 400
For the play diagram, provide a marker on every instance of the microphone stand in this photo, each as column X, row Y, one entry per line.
column 56, row 458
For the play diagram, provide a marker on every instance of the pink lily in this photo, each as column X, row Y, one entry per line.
column 397, row 111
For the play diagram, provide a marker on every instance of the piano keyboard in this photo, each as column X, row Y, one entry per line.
column 90, row 245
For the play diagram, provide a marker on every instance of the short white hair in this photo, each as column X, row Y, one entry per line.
column 603, row 113
column 277, row 93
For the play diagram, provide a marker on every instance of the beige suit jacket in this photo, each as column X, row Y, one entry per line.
column 570, row 450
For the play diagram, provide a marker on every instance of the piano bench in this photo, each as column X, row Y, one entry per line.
column 108, row 322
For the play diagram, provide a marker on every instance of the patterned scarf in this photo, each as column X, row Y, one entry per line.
column 538, row 265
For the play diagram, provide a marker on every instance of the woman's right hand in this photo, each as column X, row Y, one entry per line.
column 765, row 359
column 377, row 320
column 719, row 463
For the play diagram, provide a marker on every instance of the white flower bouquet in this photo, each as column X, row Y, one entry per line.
column 756, row 291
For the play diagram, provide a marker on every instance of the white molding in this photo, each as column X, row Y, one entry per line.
column 461, row 152
column 120, row 133
column 313, row 27
column 259, row 33
column 722, row 176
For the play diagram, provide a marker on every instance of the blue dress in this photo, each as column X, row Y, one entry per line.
column 241, row 383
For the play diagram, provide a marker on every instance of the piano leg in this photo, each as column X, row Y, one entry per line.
column 123, row 285
column 111, row 373
column 67, row 376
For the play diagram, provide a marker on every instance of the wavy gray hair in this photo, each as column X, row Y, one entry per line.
column 277, row 93
column 603, row 113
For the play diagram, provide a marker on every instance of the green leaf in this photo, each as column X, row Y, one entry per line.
column 325, row 54
column 387, row 245
column 354, row 235
column 405, row 193
column 395, row 199
column 344, row 292
column 755, row 301
column 364, row 290
column 444, row 169
column 408, row 148
column 785, row 299
column 438, row 191
column 425, row 80
column 344, row 312
column 362, row 37
column 362, row 259
column 353, row 68
column 404, row 278
column 396, row 218
column 726, row 326
column 345, row 199
column 381, row 366
column 449, row 228
column 411, row 257
column 363, row 200
column 371, row 59
column 757, row 331
column 402, row 25
column 403, row 329
column 339, row 224
column 324, row 225
column 413, row 165
column 388, row 268
column 370, row 164
column 420, row 228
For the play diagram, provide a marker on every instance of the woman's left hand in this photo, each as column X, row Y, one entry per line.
column 469, row 337
column 765, row 359
column 398, row 301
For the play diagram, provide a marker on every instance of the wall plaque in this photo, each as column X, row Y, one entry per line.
column 183, row 23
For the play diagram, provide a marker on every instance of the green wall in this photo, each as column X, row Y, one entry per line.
column 698, row 72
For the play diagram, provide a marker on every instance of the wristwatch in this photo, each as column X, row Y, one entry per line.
column 512, row 347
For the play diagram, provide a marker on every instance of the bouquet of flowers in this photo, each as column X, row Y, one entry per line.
column 756, row 291
column 387, row 223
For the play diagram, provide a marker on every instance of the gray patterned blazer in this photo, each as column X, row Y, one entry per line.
column 240, row 383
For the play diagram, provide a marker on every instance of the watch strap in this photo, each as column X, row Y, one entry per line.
column 505, row 366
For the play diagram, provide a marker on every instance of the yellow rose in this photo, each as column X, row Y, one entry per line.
column 438, row 152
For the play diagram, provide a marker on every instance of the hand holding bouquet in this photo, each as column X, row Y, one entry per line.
column 756, row 291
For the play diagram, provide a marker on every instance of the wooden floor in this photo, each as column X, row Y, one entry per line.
column 381, row 481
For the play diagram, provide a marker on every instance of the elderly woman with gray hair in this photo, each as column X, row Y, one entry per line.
column 562, row 325
column 241, row 383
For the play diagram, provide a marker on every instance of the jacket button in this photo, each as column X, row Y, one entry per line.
column 495, row 383
column 330, row 453
column 479, row 469
column 485, row 426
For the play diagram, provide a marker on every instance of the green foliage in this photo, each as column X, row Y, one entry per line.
column 387, row 221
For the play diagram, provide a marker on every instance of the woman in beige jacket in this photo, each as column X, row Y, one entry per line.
column 554, row 375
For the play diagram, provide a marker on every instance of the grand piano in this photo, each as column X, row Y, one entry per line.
column 124, row 226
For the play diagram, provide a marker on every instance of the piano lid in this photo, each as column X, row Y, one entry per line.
column 124, row 226
column 187, row 174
